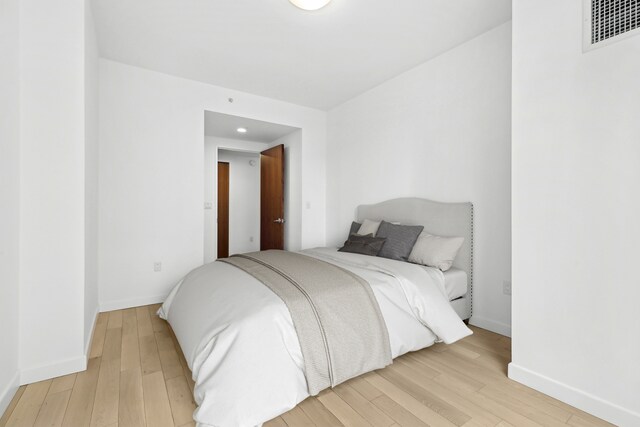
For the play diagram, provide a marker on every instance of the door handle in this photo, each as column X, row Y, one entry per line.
column 279, row 221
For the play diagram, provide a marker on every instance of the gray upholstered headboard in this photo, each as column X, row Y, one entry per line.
column 442, row 219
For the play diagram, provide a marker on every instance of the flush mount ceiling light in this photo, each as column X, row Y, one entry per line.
column 310, row 4
column 241, row 130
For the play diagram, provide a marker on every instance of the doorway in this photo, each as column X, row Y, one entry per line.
column 249, row 155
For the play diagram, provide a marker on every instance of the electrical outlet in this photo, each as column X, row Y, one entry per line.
column 506, row 287
column 157, row 266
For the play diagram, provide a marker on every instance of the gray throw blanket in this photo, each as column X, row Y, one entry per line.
column 337, row 319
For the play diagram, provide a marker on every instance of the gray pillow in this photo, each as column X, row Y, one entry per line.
column 365, row 245
column 400, row 240
column 355, row 226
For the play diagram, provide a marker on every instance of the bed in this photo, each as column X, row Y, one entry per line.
column 240, row 340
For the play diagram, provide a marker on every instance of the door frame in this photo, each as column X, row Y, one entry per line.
column 294, row 203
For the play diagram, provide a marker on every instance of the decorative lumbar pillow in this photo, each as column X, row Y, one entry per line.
column 365, row 245
column 436, row 251
column 400, row 240
column 355, row 226
column 369, row 227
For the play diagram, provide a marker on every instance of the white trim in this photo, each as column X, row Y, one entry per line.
column 491, row 325
column 131, row 302
column 580, row 399
column 586, row 31
column 7, row 394
column 53, row 370
column 87, row 346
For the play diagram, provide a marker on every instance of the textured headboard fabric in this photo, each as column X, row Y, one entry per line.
column 442, row 219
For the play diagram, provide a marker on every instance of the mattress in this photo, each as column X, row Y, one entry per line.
column 239, row 340
column 455, row 283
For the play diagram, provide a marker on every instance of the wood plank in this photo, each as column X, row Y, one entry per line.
column 156, row 322
column 144, row 321
column 520, row 407
column 364, row 388
column 586, row 420
column 449, row 395
column 115, row 319
column 409, row 402
column 318, row 413
column 112, row 345
column 345, row 413
column 411, row 381
column 297, row 417
column 26, row 410
column 500, row 411
column 156, row 401
column 169, row 359
column 105, row 406
column 149, row 356
column 62, row 383
column 397, row 412
column 130, row 353
column 456, row 379
column 14, row 401
column 83, row 393
column 362, row 406
column 99, row 333
column 131, row 404
column 463, row 351
column 276, row 422
column 53, row 409
column 518, row 398
column 181, row 400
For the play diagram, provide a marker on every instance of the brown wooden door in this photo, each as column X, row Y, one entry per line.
column 223, row 210
column 272, row 198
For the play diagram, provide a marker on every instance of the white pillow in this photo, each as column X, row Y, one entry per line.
column 369, row 227
column 435, row 251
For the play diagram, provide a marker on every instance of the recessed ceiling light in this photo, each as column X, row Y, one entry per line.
column 242, row 130
column 310, row 4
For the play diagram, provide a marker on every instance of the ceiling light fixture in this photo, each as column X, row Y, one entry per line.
column 242, row 130
column 310, row 4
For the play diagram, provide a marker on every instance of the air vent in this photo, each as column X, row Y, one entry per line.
column 610, row 19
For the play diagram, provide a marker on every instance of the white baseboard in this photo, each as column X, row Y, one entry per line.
column 491, row 325
column 130, row 302
column 9, row 391
column 587, row 402
column 88, row 339
column 53, row 370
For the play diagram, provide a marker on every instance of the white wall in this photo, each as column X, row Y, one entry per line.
column 9, row 198
column 52, row 202
column 152, row 176
column 441, row 131
column 576, row 203
column 91, row 175
column 244, row 201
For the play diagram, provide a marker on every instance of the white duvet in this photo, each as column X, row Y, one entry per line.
column 239, row 341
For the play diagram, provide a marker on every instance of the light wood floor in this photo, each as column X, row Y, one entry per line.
column 137, row 376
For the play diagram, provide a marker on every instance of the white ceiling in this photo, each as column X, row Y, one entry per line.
column 225, row 126
column 271, row 48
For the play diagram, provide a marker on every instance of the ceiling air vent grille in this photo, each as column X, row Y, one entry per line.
column 611, row 18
